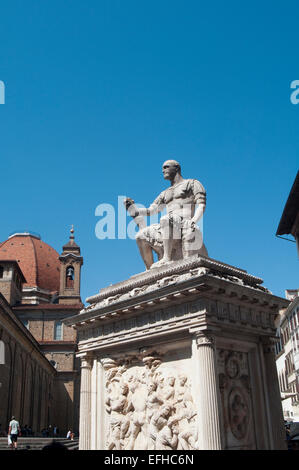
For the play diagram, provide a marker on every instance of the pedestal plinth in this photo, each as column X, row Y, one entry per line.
column 178, row 361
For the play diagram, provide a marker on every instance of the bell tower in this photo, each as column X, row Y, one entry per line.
column 70, row 270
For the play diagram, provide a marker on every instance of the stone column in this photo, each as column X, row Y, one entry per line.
column 275, row 416
column 209, row 402
column 93, row 404
column 101, row 407
column 85, row 404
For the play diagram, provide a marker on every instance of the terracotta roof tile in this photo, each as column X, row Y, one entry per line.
column 38, row 261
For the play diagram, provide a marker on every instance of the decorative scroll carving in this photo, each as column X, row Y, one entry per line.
column 149, row 405
column 235, row 390
column 203, row 339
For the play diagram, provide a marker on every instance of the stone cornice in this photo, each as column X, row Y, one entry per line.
column 177, row 267
column 175, row 289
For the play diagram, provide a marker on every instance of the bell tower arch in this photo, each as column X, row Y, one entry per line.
column 70, row 272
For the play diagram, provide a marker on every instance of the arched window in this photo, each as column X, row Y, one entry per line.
column 58, row 331
column 70, row 276
column 2, row 352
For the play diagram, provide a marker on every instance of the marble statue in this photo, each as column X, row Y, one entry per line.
column 177, row 235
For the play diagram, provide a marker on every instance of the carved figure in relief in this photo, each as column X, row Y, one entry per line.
column 188, row 438
column 167, row 437
column 150, row 407
column 181, row 390
column 138, row 408
column 238, row 414
column 157, row 423
column 154, row 400
column 117, row 408
column 184, row 398
column 159, row 378
column 169, row 390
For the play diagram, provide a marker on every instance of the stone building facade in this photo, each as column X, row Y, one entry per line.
column 45, row 292
column 287, row 349
column 287, row 360
column 26, row 376
column 289, row 222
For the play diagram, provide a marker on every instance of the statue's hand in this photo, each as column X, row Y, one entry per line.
column 128, row 202
column 190, row 223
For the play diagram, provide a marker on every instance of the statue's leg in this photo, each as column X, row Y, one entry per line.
column 145, row 251
column 167, row 238
column 159, row 251
column 149, row 239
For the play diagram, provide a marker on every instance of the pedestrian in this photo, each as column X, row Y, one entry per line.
column 68, row 436
column 14, row 431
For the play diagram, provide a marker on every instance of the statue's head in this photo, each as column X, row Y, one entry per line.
column 182, row 379
column 152, row 386
column 166, row 409
column 124, row 389
column 171, row 380
column 170, row 168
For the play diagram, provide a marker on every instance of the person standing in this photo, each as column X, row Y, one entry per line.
column 14, row 431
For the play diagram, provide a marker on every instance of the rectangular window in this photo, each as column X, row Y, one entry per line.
column 58, row 331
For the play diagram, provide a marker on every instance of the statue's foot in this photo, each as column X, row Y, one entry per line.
column 162, row 262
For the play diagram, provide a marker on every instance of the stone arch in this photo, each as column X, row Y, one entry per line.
column 16, row 388
column 43, row 415
column 5, row 371
column 27, row 393
column 69, row 276
column 36, row 401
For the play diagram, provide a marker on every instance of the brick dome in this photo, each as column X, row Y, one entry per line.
column 38, row 261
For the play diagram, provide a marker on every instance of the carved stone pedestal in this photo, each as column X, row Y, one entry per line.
column 180, row 357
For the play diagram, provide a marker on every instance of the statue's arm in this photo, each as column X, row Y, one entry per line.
column 198, row 212
column 156, row 207
column 199, row 194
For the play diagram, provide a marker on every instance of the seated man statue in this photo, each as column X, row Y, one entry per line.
column 177, row 235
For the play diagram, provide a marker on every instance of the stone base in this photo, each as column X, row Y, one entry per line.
column 180, row 357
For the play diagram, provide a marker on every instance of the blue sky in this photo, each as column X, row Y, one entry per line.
column 100, row 93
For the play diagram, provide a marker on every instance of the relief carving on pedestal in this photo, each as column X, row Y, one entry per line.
column 234, row 384
column 238, row 413
column 149, row 405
